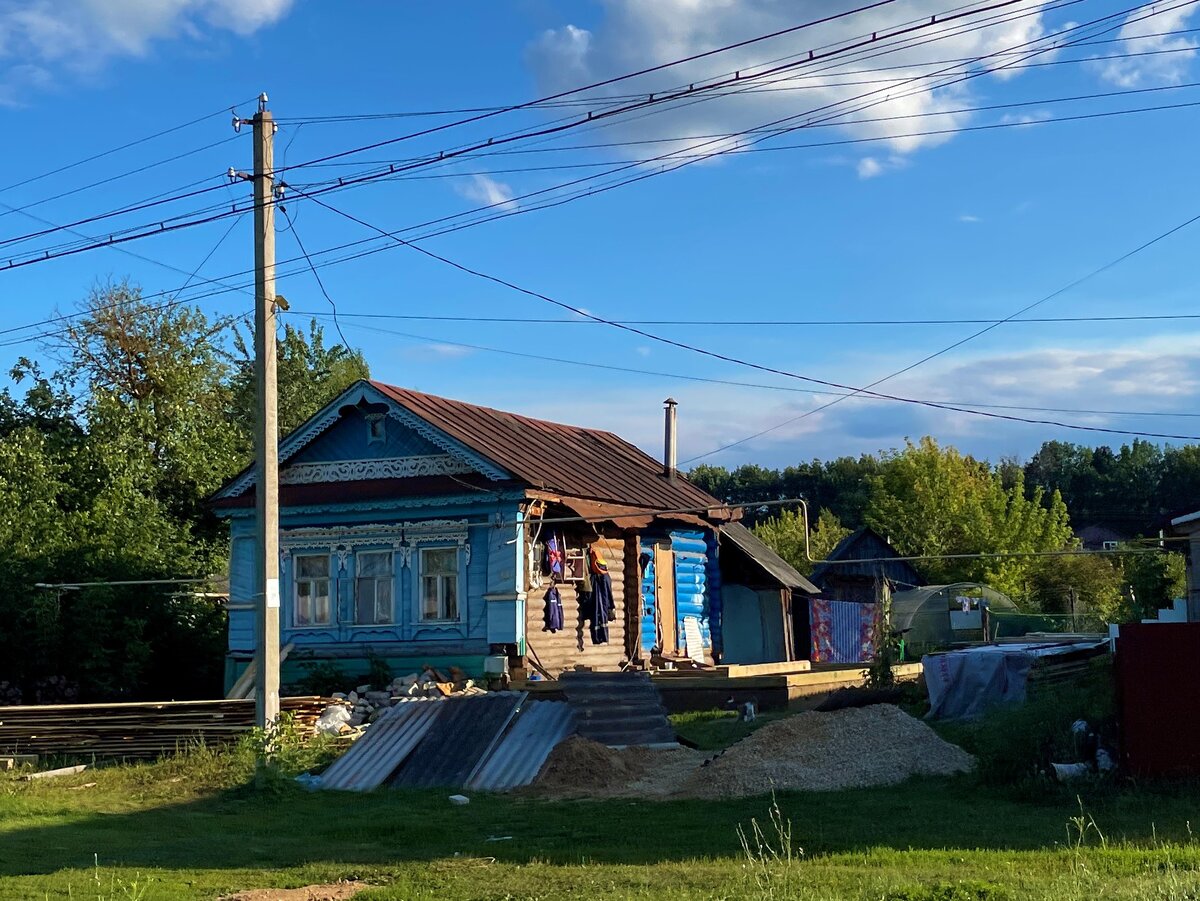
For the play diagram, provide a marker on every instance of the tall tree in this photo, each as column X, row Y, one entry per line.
column 935, row 501
column 785, row 535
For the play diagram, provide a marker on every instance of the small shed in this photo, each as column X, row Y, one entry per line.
column 939, row 615
column 842, row 578
column 764, row 615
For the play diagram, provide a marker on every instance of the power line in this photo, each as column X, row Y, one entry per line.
column 316, row 275
column 731, row 359
column 766, row 323
column 163, row 227
column 614, row 80
column 611, row 367
column 608, row 98
column 126, row 146
column 911, row 366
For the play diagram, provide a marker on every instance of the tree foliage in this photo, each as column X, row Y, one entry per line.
column 935, row 501
column 785, row 535
column 105, row 467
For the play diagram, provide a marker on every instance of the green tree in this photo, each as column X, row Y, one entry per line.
column 309, row 374
column 1083, row 584
column 1155, row 580
column 784, row 533
column 935, row 501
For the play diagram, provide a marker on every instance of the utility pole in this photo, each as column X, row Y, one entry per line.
column 266, row 438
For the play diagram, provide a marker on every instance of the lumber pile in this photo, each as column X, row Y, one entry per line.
column 138, row 731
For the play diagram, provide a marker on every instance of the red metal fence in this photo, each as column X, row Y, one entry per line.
column 1158, row 693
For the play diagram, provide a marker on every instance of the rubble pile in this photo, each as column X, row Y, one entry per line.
column 361, row 706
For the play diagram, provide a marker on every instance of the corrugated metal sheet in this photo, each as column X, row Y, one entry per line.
column 586, row 463
column 388, row 741
column 1158, row 691
column 774, row 565
column 618, row 709
column 691, row 582
column 715, row 599
column 465, row 733
column 519, row 756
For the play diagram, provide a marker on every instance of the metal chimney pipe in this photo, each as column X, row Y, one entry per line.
column 670, row 454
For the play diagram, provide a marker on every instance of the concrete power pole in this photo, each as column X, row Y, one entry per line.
column 266, row 440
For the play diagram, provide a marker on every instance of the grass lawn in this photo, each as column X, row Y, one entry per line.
column 194, row 827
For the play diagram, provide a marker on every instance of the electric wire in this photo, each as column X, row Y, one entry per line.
column 315, row 274
column 163, row 227
column 612, row 367
column 731, row 359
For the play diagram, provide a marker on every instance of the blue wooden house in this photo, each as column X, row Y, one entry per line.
column 416, row 530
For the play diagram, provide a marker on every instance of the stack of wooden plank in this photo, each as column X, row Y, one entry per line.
column 137, row 731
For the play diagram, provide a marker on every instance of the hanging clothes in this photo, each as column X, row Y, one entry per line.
column 554, row 556
column 596, row 562
column 554, row 610
column 602, row 608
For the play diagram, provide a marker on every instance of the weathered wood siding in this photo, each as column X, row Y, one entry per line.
column 572, row 645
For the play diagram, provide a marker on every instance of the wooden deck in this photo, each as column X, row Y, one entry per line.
column 774, row 686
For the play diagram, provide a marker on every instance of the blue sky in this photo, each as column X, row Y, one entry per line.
column 964, row 224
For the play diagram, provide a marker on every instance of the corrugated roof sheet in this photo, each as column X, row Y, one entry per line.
column 584, row 463
column 463, row 736
column 384, row 747
column 762, row 554
column 519, row 756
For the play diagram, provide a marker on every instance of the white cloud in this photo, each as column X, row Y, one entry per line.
column 488, row 191
column 635, row 34
column 80, row 36
column 968, row 218
column 869, row 167
column 1145, row 36
column 1025, row 118
column 436, row 351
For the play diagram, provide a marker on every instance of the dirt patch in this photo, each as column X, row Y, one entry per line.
column 582, row 768
column 851, row 748
column 335, row 891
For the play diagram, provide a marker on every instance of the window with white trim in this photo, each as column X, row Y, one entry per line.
column 311, row 586
column 1111, row 545
column 438, row 584
column 373, row 588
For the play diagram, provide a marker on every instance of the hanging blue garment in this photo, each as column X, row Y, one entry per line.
column 554, row 610
column 602, row 607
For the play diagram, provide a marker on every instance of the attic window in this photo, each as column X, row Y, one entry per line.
column 375, row 428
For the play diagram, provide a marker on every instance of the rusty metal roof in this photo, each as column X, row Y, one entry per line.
column 386, row 744
column 519, row 757
column 571, row 460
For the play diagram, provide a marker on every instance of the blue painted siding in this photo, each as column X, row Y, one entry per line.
column 488, row 568
column 715, row 600
column 347, row 440
column 691, row 582
column 693, row 563
column 649, row 627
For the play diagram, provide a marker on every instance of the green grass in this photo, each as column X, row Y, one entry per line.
column 196, row 827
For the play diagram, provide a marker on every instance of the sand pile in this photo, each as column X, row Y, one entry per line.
column 851, row 748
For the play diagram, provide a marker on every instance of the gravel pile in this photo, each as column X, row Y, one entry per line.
column 851, row 748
